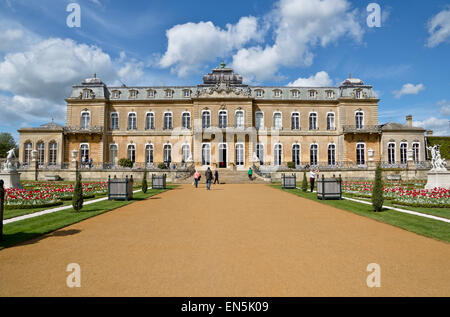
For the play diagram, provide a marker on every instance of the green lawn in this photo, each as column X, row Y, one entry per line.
column 19, row 231
column 428, row 227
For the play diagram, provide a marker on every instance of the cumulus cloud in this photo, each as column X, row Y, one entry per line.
column 408, row 89
column 320, row 79
column 439, row 28
column 444, row 107
column 299, row 26
column 190, row 45
column 440, row 126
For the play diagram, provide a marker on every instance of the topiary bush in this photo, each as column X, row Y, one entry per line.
column 77, row 200
column 377, row 190
column 291, row 164
column 144, row 182
column 124, row 162
column 162, row 166
column 304, row 183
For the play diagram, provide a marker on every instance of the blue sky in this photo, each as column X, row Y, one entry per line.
column 307, row 42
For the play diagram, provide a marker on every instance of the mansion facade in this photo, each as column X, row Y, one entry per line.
column 223, row 123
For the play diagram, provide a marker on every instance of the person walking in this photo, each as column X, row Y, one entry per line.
column 312, row 177
column 196, row 178
column 250, row 174
column 216, row 177
column 209, row 177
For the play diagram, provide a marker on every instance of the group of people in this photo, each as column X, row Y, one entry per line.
column 210, row 177
column 85, row 162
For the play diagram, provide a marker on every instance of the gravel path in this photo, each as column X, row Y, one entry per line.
column 235, row 240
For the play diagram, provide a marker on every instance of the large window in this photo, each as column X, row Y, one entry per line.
column 132, row 121
column 206, row 154
column 359, row 119
column 277, row 120
column 149, row 154
column 186, row 120
column 131, row 152
column 416, row 152
column 330, row 121
column 113, row 154
column 239, row 154
column 223, row 119
column 167, row 152
column 295, row 121
column 150, row 121
column 260, row 153
column 206, row 119
column 403, row 153
column 239, row 119
column 259, row 120
column 114, row 121
column 185, row 153
column 360, row 154
column 41, row 153
column 85, row 120
column 277, row 154
column 331, row 154
column 168, row 121
column 28, row 148
column 296, row 154
column 313, row 152
column 84, row 152
column 391, row 153
column 313, row 121
column 52, row 152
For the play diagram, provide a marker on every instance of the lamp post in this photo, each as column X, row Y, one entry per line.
column 34, row 159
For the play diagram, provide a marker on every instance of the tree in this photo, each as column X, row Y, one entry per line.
column 377, row 191
column 124, row 162
column 144, row 182
column 304, row 183
column 77, row 199
column 7, row 143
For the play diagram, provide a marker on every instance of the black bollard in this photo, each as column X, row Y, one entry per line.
column 2, row 203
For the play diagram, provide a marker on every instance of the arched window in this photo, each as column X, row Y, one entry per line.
column 331, row 154
column 52, row 151
column 223, row 119
column 391, row 153
column 167, row 154
column 185, row 153
column 149, row 154
column 277, row 154
column 168, row 121
column 113, row 154
column 330, row 121
column 359, row 119
column 28, row 147
column 403, row 153
column 186, row 120
column 85, row 120
column 206, row 154
column 313, row 121
column 239, row 119
column 259, row 120
column 206, row 119
column 295, row 121
column 132, row 121
column 84, row 152
column 260, row 153
column 114, row 121
column 277, row 120
column 296, row 154
column 239, row 154
column 360, row 154
column 131, row 152
column 416, row 152
column 313, row 151
column 41, row 153
column 150, row 121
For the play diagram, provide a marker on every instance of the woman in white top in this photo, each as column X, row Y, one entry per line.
column 312, row 177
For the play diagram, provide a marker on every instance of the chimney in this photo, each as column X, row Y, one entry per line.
column 409, row 121
column 429, row 132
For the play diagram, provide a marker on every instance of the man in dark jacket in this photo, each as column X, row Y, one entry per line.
column 209, row 177
column 216, row 177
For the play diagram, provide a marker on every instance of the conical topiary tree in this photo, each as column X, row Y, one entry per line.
column 144, row 182
column 377, row 191
column 304, row 183
column 77, row 199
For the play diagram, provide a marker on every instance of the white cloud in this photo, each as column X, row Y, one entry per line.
column 439, row 28
column 444, row 107
column 299, row 26
column 438, row 125
column 192, row 44
column 408, row 89
column 320, row 79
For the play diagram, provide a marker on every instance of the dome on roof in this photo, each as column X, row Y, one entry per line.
column 352, row 82
column 92, row 81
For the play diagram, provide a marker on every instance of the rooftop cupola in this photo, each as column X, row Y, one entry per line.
column 92, row 81
column 222, row 74
column 352, row 81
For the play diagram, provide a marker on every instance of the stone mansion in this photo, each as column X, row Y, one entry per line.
column 223, row 123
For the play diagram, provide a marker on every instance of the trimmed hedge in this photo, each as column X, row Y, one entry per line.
column 14, row 207
column 402, row 203
column 67, row 198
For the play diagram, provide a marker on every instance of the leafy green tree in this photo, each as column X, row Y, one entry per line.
column 144, row 182
column 304, row 183
column 77, row 199
column 377, row 191
column 291, row 164
column 124, row 162
column 7, row 143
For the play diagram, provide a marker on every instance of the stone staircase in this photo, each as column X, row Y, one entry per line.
column 228, row 176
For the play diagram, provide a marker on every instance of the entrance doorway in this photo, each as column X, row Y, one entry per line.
column 222, row 155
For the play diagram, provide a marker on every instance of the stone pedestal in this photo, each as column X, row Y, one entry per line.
column 438, row 179
column 11, row 179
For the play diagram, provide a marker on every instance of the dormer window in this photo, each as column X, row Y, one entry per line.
column 116, row 94
column 133, row 94
column 169, row 93
column 358, row 94
column 312, row 94
column 277, row 93
column 186, row 93
column 87, row 94
column 330, row 94
column 259, row 93
column 151, row 93
column 295, row 93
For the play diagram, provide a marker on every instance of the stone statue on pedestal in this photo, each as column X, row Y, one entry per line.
column 437, row 162
column 9, row 173
column 438, row 176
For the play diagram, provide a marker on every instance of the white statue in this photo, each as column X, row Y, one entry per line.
column 10, row 159
column 437, row 162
